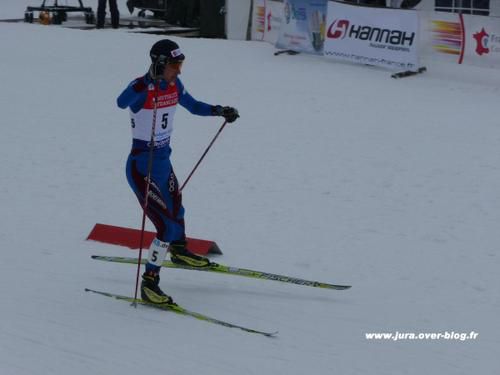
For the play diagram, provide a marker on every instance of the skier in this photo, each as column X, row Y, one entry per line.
column 164, row 208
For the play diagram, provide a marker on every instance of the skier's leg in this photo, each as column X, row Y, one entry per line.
column 150, row 290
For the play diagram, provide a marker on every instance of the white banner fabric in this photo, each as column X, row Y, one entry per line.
column 461, row 38
column 266, row 21
column 375, row 36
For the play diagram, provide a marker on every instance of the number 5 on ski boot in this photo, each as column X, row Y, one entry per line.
column 179, row 254
column 151, row 292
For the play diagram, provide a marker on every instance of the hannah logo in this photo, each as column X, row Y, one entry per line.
column 338, row 29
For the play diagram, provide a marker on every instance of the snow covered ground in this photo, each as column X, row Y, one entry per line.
column 334, row 172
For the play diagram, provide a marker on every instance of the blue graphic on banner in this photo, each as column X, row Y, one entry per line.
column 303, row 27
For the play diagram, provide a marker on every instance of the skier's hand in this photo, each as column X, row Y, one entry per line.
column 229, row 113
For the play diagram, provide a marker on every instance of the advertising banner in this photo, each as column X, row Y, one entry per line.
column 303, row 26
column 375, row 36
column 482, row 44
column 462, row 38
column 266, row 20
column 442, row 36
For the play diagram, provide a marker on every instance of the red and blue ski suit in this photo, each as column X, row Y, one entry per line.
column 164, row 206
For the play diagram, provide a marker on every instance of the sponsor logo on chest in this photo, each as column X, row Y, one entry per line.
column 166, row 98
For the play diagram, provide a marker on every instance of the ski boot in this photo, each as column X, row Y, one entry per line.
column 151, row 292
column 179, row 254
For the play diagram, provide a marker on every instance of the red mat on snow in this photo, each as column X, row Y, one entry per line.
column 130, row 238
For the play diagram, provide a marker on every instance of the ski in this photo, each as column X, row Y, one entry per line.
column 222, row 269
column 409, row 73
column 182, row 311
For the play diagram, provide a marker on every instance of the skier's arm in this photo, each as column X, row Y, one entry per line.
column 191, row 104
column 133, row 96
column 203, row 109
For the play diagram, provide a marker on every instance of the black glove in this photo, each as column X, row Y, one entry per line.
column 229, row 113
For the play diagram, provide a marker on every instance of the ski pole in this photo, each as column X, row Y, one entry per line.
column 203, row 156
column 146, row 193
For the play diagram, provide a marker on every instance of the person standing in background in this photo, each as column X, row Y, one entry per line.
column 101, row 14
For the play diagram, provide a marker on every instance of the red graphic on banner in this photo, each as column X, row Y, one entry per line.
column 338, row 29
column 482, row 42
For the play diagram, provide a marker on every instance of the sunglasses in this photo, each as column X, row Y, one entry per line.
column 175, row 65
